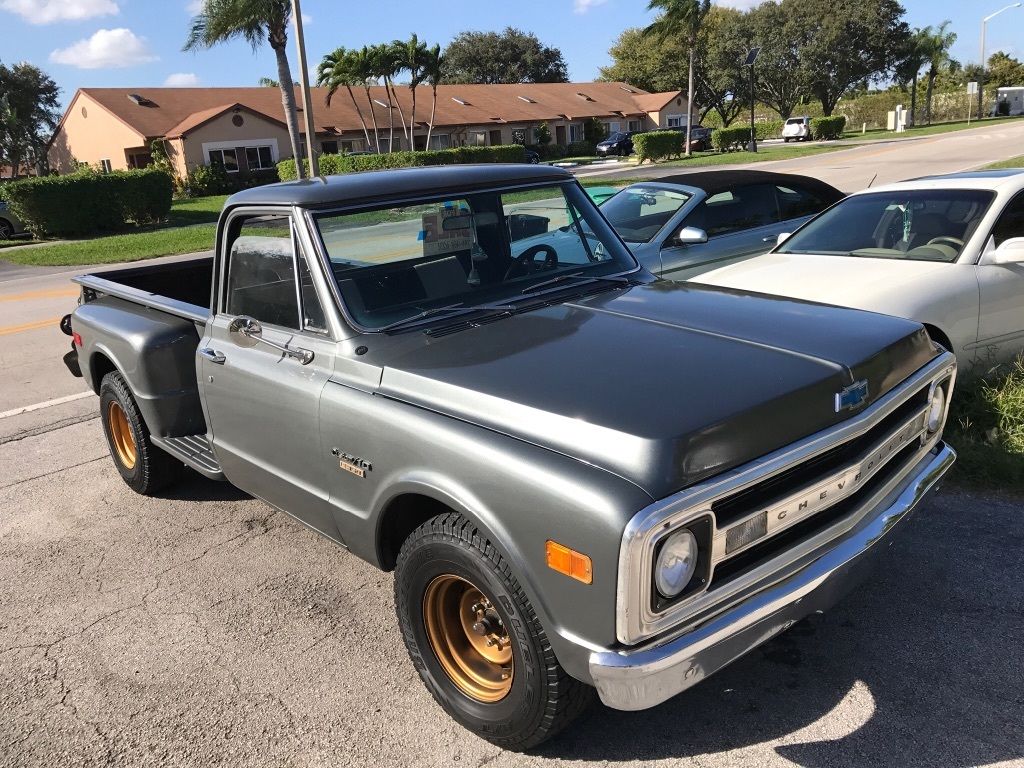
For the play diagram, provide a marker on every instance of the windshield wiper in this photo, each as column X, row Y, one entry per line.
column 576, row 275
column 460, row 308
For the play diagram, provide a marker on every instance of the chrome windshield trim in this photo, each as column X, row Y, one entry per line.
column 635, row 620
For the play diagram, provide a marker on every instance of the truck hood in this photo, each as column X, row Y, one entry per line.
column 663, row 384
column 844, row 280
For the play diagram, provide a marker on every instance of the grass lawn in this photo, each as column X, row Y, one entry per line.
column 878, row 134
column 199, row 210
column 1013, row 162
column 128, row 247
column 765, row 152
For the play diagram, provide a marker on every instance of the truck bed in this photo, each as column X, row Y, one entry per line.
column 181, row 288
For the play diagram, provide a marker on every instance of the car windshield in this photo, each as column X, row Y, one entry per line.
column 486, row 250
column 616, row 137
column 639, row 212
column 919, row 225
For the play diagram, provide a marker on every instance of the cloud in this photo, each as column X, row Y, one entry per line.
column 306, row 18
column 182, row 80
column 49, row 11
column 739, row 5
column 106, row 49
column 582, row 6
column 194, row 7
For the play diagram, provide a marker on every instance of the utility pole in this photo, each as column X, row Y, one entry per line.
column 307, row 100
column 981, row 79
column 751, row 58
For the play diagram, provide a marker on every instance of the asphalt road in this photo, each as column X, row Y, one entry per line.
column 205, row 629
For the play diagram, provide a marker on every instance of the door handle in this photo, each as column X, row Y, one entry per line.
column 770, row 239
column 212, row 355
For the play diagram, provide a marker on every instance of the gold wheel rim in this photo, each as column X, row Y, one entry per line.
column 121, row 435
column 468, row 638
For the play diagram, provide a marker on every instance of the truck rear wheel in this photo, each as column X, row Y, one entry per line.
column 475, row 640
column 144, row 467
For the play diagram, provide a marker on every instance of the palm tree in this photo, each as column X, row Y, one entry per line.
column 680, row 18
column 391, row 66
column 255, row 21
column 433, row 71
column 909, row 69
column 363, row 68
column 411, row 56
column 936, row 45
column 336, row 70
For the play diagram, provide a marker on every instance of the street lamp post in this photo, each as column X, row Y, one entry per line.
column 751, row 58
column 981, row 79
column 307, row 100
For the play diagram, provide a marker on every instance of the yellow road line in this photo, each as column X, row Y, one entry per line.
column 53, row 293
column 8, row 330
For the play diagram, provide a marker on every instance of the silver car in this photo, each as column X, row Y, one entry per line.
column 680, row 226
column 10, row 225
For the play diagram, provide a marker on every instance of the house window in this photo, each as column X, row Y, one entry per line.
column 349, row 146
column 105, row 166
column 575, row 132
column 634, row 125
column 611, row 128
column 477, row 139
column 519, row 136
column 675, row 121
column 440, row 141
column 258, row 158
column 225, row 158
column 383, row 145
column 329, row 147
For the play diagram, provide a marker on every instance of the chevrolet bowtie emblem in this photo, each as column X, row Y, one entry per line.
column 852, row 396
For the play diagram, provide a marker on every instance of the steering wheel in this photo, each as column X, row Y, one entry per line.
column 956, row 242
column 527, row 263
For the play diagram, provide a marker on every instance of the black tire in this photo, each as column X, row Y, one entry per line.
column 152, row 468
column 542, row 698
column 6, row 229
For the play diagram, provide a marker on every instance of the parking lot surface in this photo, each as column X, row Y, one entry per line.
column 204, row 628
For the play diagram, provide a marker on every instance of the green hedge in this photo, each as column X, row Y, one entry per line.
column 823, row 128
column 728, row 139
column 768, row 129
column 657, row 145
column 88, row 203
column 581, row 149
column 332, row 165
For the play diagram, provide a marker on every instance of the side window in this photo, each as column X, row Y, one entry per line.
column 736, row 210
column 261, row 271
column 797, row 202
column 1011, row 222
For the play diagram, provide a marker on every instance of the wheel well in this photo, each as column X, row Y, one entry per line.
column 403, row 515
column 938, row 336
column 100, row 366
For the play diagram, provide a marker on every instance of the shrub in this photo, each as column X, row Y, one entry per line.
column 206, row 180
column 729, row 139
column 86, row 203
column 658, row 145
column 332, row 165
column 580, row 149
column 593, row 130
column 768, row 129
column 542, row 133
column 826, row 128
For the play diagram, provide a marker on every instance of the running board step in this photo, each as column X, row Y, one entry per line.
column 194, row 450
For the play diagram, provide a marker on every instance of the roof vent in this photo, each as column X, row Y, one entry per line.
column 381, row 103
column 627, row 89
column 527, row 99
column 583, row 96
column 463, row 102
column 142, row 101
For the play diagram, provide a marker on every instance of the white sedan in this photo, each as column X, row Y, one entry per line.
column 947, row 251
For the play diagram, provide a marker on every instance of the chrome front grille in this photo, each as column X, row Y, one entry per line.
column 769, row 513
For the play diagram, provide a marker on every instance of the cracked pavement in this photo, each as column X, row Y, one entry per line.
column 206, row 629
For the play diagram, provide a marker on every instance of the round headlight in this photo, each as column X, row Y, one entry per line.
column 936, row 409
column 677, row 561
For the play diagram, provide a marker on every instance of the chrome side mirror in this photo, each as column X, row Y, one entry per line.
column 250, row 328
column 692, row 236
column 783, row 237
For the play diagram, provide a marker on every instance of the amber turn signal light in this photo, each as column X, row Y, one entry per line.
column 570, row 562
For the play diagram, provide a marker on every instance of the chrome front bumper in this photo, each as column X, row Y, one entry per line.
column 644, row 677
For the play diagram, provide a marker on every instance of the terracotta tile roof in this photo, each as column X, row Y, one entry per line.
column 172, row 111
column 655, row 102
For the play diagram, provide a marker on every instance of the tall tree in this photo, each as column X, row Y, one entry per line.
column 780, row 37
column 908, row 69
column 722, row 82
column 433, row 70
column 335, row 71
column 28, row 114
column 255, row 21
column 844, row 42
column 411, row 55
column 384, row 65
column 935, row 46
column 682, row 19
column 650, row 64
column 1004, row 70
column 511, row 56
column 364, row 68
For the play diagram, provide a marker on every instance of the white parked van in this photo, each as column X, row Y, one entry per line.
column 797, row 129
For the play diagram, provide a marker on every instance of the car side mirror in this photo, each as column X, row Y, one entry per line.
column 1009, row 252
column 692, row 236
column 783, row 237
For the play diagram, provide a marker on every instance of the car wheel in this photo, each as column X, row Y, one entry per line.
column 144, row 467
column 6, row 229
column 475, row 640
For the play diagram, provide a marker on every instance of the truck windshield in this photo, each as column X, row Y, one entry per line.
column 403, row 262
column 919, row 225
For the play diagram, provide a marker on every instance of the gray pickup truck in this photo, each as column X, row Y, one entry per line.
column 582, row 476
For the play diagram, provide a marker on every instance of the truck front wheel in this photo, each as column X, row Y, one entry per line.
column 144, row 467
column 475, row 640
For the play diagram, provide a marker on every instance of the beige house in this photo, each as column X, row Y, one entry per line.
column 244, row 129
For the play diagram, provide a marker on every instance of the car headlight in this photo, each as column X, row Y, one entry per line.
column 936, row 409
column 676, row 563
